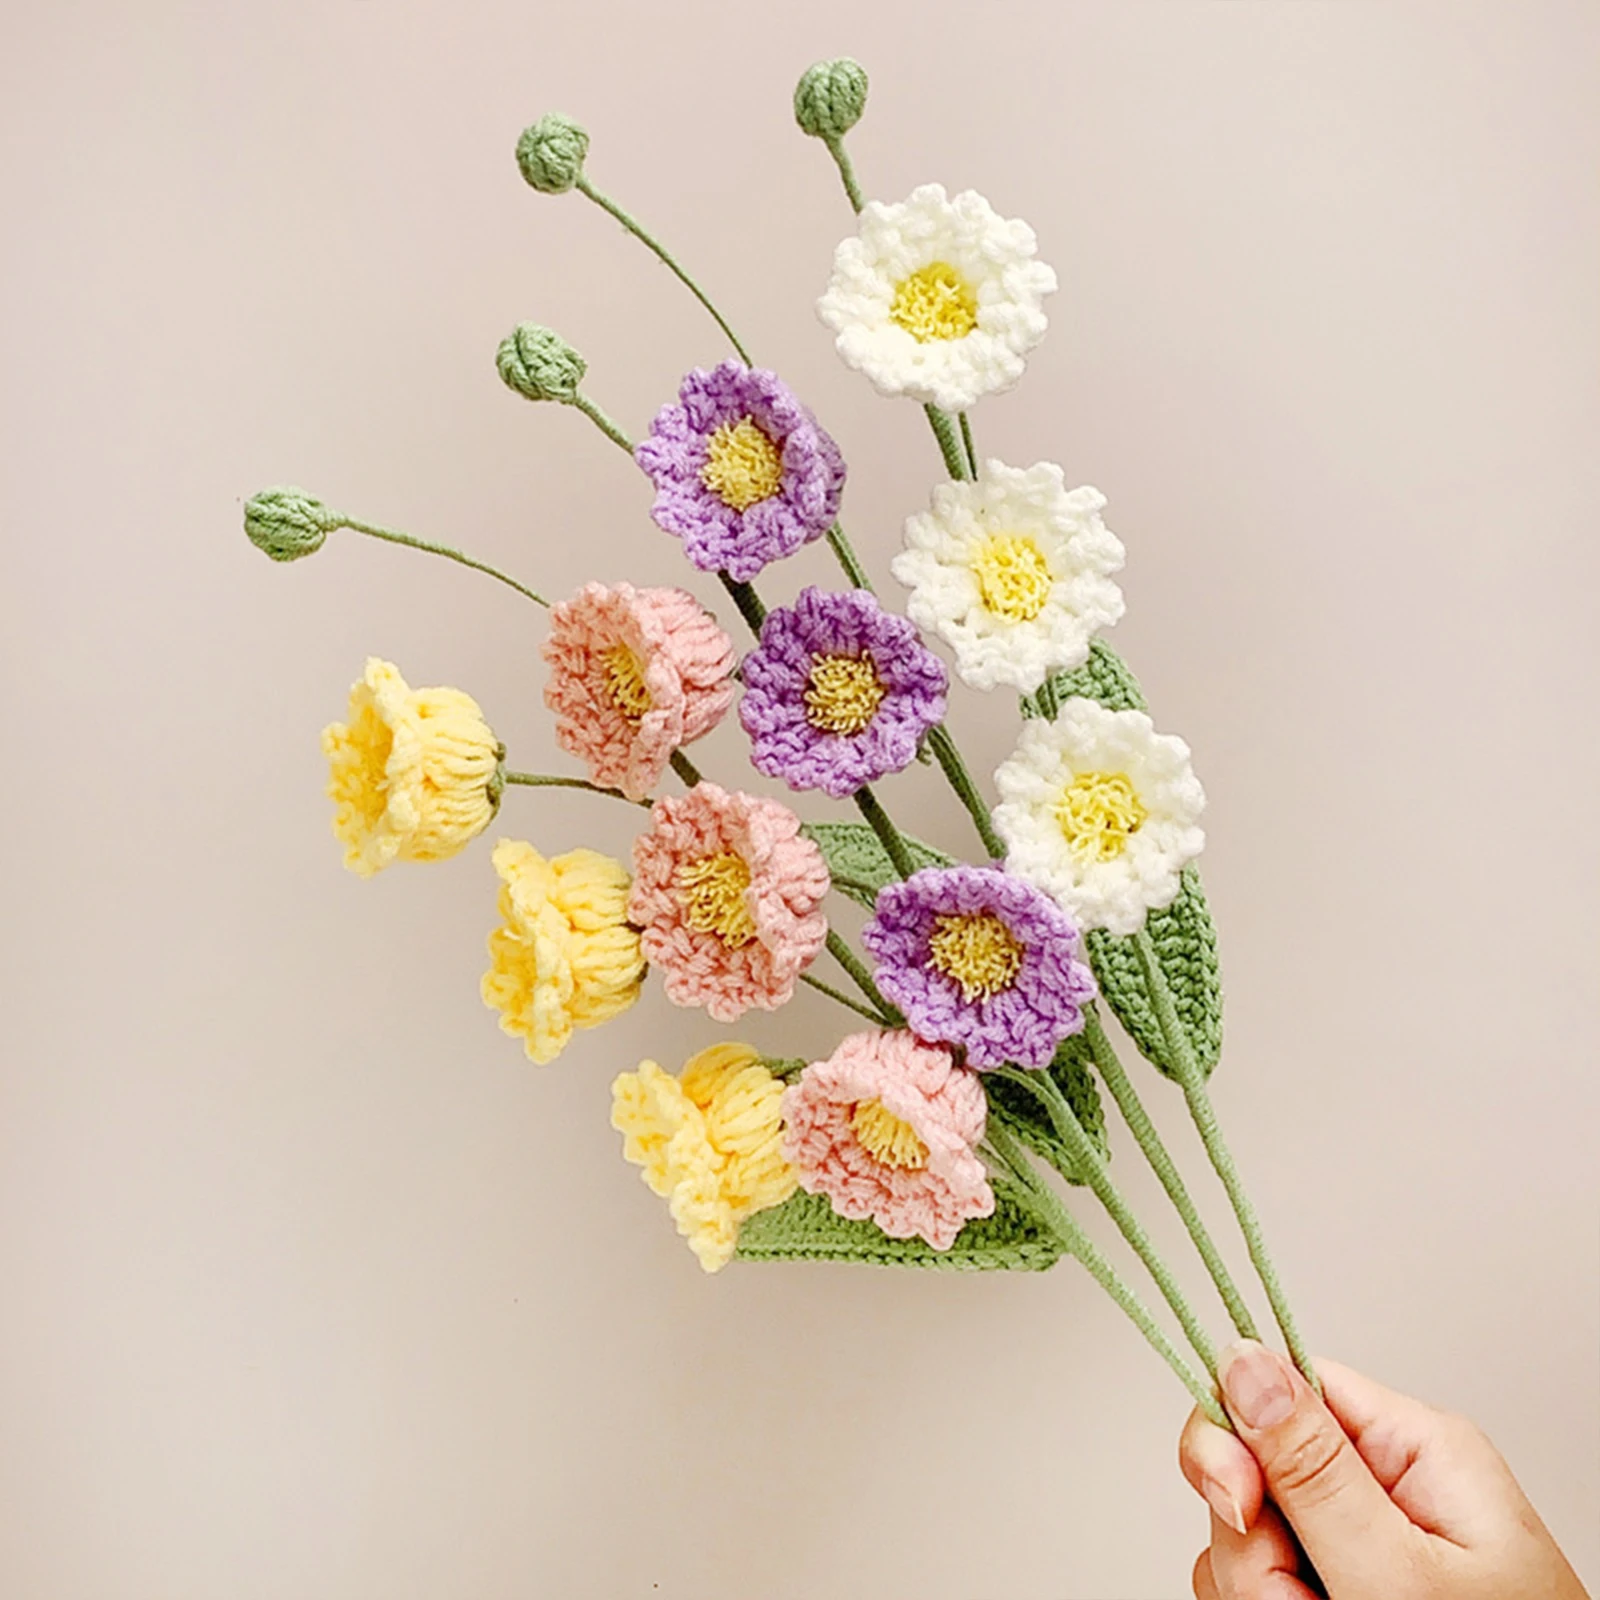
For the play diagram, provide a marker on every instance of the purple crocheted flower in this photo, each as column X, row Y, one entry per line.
column 975, row 957
column 838, row 693
column 743, row 474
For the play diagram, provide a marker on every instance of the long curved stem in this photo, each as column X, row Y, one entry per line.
column 843, row 999
column 610, row 429
column 842, row 548
column 841, row 952
column 847, row 171
column 1192, row 1080
column 607, row 204
column 889, row 836
column 1050, row 1209
column 955, row 769
column 1090, row 1167
column 1162, row 1164
column 449, row 552
column 545, row 780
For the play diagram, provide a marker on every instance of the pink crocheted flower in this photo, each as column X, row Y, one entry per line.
column 634, row 674
column 887, row 1127
column 726, row 890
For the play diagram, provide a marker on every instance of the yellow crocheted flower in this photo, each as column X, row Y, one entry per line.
column 412, row 774
column 566, row 957
column 709, row 1143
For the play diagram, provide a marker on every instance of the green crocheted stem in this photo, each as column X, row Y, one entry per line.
column 1162, row 1164
column 1192, row 1080
column 841, row 952
column 967, row 445
column 394, row 536
column 686, row 769
column 747, row 600
column 545, row 780
column 842, row 548
column 960, row 777
column 1086, row 1159
column 583, row 403
column 1055, row 1215
column 607, row 204
column 843, row 999
column 847, row 171
column 944, row 430
column 889, row 836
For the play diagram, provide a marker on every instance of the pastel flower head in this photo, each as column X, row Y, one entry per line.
column 888, row 1128
column 564, row 957
column 413, row 773
column 1012, row 571
column 978, row 958
column 710, row 1143
column 634, row 675
column 1102, row 812
column 743, row 474
column 937, row 298
column 727, row 892
column 839, row 692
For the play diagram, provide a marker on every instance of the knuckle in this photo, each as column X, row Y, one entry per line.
column 1307, row 1466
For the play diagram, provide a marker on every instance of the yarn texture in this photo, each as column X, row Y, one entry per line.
column 287, row 524
column 839, row 693
column 830, row 97
column 539, row 364
column 635, row 674
column 411, row 773
column 740, row 499
column 708, row 1142
column 550, row 154
column 1012, row 571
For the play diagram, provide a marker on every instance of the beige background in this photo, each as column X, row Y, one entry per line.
column 313, row 1287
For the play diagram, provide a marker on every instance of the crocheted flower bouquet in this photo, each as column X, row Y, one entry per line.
column 932, row 1133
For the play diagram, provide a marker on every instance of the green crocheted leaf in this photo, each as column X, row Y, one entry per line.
column 859, row 864
column 1186, row 943
column 1020, row 1112
column 1104, row 677
column 807, row 1228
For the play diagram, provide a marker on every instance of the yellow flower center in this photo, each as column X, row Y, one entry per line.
column 843, row 693
column 1098, row 811
column 886, row 1138
column 742, row 465
column 714, row 891
column 1013, row 576
column 977, row 951
column 935, row 302
column 624, row 679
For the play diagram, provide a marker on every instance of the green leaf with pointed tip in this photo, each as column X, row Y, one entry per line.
column 807, row 1228
column 1105, row 677
column 1023, row 1114
column 857, row 861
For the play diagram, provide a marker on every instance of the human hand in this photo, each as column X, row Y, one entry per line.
column 1391, row 1499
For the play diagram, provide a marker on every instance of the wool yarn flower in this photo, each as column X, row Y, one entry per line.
column 1012, row 571
column 412, row 774
column 565, row 957
column 743, row 473
column 938, row 298
column 726, row 890
column 1100, row 811
column 978, row 958
column 709, row 1143
column 634, row 675
column 838, row 693
column 888, row 1128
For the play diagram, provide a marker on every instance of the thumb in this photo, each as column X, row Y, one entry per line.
column 1351, row 1529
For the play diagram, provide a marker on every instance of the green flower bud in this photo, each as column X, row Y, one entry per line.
column 551, row 153
column 538, row 363
column 288, row 523
column 830, row 97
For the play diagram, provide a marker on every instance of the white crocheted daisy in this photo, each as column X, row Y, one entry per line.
column 938, row 298
column 1101, row 811
column 1012, row 572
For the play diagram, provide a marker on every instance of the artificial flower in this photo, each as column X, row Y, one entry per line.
column 743, row 473
column 1012, row 571
column 1100, row 811
column 709, row 1143
column 937, row 298
column 634, row 675
column 727, row 892
column 413, row 774
column 978, row 958
column 838, row 693
column 888, row 1128
column 565, row 957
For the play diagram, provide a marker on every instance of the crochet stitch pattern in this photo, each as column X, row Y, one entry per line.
column 962, row 1122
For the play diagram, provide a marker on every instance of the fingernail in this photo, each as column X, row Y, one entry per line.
column 1256, row 1384
column 1225, row 1503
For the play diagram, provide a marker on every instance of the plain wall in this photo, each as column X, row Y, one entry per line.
column 313, row 1286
